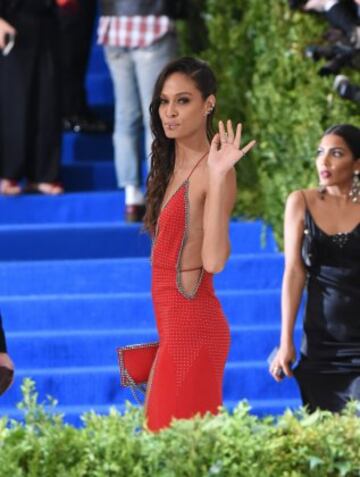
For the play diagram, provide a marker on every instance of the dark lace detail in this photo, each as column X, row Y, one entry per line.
column 340, row 239
column 179, row 283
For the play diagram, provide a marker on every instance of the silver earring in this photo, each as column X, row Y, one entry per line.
column 354, row 193
column 211, row 109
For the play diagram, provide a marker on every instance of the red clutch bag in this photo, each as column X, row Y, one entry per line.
column 135, row 362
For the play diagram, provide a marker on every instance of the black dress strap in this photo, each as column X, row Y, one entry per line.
column 307, row 216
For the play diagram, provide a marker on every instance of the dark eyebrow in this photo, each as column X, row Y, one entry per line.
column 179, row 94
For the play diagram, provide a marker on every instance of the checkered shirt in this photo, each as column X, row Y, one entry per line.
column 133, row 32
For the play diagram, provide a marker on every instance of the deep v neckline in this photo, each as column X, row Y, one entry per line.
column 173, row 195
column 185, row 182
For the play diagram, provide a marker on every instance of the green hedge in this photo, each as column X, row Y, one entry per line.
column 237, row 445
column 256, row 48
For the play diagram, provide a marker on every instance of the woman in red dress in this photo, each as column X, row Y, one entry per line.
column 190, row 196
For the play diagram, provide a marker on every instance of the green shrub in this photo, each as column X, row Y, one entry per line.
column 227, row 445
column 256, row 48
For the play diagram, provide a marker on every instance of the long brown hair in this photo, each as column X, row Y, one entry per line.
column 163, row 148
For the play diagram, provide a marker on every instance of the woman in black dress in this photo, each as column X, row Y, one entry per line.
column 322, row 250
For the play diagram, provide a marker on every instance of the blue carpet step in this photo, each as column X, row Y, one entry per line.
column 89, row 176
column 66, row 208
column 57, row 348
column 100, row 89
column 73, row 241
column 106, row 240
column 248, row 271
column 86, row 147
column 132, row 310
column 101, row 385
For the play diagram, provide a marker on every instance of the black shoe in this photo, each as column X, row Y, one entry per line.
column 85, row 123
column 134, row 213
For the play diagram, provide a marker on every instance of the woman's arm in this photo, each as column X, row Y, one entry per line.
column 224, row 153
column 219, row 202
column 293, row 283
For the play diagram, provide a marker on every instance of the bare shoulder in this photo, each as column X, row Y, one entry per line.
column 311, row 196
column 296, row 205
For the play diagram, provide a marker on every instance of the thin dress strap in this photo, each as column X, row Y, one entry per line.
column 308, row 217
column 304, row 197
column 198, row 162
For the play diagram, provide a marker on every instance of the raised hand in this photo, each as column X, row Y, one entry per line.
column 225, row 149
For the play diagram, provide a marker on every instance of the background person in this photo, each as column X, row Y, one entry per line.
column 76, row 29
column 322, row 249
column 139, row 39
column 30, row 120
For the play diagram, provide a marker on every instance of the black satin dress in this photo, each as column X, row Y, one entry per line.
column 328, row 372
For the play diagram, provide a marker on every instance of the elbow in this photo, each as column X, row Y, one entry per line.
column 214, row 266
column 215, row 262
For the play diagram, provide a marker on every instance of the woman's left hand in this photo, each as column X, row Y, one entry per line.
column 225, row 149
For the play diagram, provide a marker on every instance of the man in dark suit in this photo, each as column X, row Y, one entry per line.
column 6, row 365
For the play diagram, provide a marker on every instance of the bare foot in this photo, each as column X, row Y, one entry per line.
column 46, row 188
column 9, row 187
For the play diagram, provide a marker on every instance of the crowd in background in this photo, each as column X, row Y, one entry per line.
column 342, row 47
column 46, row 46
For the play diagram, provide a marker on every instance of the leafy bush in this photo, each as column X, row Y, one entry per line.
column 256, row 48
column 227, row 445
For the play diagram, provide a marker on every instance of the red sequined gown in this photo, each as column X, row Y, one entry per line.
column 187, row 374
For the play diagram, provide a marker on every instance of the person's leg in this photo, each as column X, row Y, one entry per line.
column 76, row 30
column 16, row 73
column 75, row 37
column 148, row 63
column 127, row 116
column 127, row 128
column 43, row 166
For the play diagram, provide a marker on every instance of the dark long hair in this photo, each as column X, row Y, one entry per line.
column 350, row 134
column 163, row 148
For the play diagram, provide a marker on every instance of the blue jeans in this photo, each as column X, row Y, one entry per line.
column 134, row 72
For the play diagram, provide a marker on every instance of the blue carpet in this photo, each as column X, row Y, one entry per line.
column 106, row 240
column 126, row 275
column 60, row 312
column 67, row 208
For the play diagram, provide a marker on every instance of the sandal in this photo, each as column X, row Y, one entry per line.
column 45, row 188
column 9, row 187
